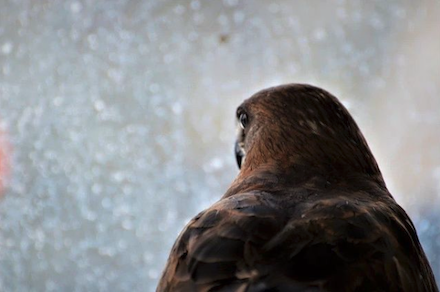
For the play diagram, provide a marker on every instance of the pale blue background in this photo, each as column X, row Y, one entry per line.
column 120, row 119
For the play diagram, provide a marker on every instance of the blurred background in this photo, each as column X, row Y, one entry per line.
column 117, row 119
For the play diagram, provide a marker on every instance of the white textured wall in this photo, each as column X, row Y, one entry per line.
column 117, row 119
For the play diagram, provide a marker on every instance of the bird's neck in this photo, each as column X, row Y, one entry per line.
column 274, row 178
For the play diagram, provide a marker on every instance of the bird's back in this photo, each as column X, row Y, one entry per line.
column 260, row 241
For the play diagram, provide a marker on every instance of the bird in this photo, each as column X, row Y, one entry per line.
column 308, row 211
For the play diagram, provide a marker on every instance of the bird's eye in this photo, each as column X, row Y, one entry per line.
column 243, row 120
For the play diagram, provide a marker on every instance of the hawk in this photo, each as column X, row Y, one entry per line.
column 308, row 211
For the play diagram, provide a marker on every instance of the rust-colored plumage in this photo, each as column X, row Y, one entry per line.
column 309, row 210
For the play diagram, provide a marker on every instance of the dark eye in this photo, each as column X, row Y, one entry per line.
column 243, row 120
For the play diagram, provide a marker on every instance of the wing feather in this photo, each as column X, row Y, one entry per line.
column 255, row 242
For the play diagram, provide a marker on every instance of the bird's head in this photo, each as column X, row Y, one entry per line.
column 299, row 126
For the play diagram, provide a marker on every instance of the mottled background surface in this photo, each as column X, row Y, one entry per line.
column 117, row 119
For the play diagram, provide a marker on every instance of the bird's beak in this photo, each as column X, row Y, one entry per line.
column 239, row 154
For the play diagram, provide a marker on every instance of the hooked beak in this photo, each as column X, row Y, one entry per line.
column 239, row 154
